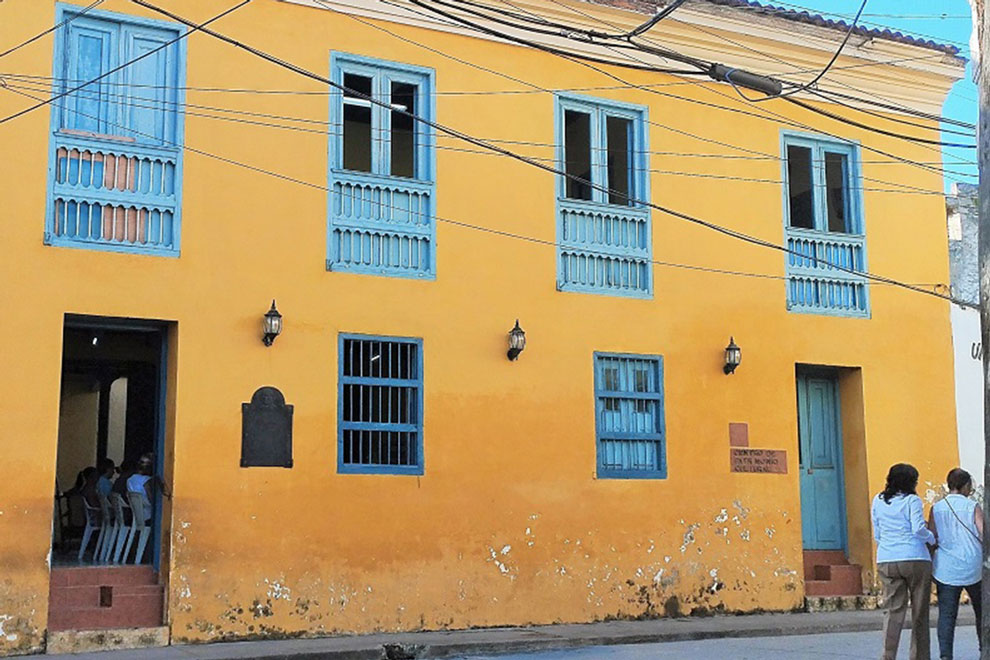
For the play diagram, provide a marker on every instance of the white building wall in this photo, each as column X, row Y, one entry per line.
column 969, row 389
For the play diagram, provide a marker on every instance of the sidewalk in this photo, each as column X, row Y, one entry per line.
column 493, row 641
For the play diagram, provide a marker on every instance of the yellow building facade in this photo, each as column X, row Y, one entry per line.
column 591, row 477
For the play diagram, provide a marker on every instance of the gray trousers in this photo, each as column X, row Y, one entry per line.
column 902, row 580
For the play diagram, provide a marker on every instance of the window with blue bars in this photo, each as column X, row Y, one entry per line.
column 604, row 234
column 382, row 169
column 823, row 223
column 380, row 405
column 115, row 173
column 629, row 416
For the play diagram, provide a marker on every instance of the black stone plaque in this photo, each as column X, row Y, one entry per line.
column 266, row 430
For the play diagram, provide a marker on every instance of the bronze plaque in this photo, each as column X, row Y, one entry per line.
column 767, row 461
column 266, row 430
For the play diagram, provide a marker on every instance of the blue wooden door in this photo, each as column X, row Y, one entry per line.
column 823, row 517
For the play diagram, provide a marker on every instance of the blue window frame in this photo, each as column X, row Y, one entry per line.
column 115, row 156
column 629, row 416
column 823, row 224
column 380, row 405
column 604, row 235
column 382, row 204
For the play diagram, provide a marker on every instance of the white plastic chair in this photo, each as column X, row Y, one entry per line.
column 139, row 526
column 106, row 529
column 92, row 524
column 120, row 521
column 112, row 526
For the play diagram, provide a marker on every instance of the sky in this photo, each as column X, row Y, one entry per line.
column 945, row 21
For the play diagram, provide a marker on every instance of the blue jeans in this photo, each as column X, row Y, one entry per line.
column 948, row 608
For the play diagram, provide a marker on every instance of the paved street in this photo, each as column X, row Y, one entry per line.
column 813, row 647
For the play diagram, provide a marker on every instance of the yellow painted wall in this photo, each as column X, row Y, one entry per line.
column 508, row 525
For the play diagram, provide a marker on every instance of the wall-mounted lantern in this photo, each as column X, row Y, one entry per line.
column 517, row 341
column 271, row 326
column 733, row 356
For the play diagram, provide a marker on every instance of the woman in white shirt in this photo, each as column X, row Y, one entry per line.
column 958, row 525
column 903, row 560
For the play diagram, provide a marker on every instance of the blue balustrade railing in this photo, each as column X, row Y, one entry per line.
column 814, row 282
column 604, row 248
column 113, row 194
column 381, row 225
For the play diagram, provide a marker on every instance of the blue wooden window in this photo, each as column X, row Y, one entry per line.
column 823, row 224
column 380, row 405
column 629, row 416
column 382, row 204
column 115, row 161
column 604, row 235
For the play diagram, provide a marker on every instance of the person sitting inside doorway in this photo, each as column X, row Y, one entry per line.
column 105, row 482
column 90, row 476
column 127, row 469
column 144, row 481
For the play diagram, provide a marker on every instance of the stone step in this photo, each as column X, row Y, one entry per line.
column 814, row 558
column 102, row 575
column 835, row 580
column 131, row 607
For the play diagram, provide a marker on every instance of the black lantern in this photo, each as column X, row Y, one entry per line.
column 733, row 356
column 517, row 341
column 271, row 326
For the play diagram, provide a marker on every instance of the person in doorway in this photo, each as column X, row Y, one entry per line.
column 127, row 468
column 957, row 522
column 144, row 481
column 903, row 560
column 90, row 477
column 105, row 482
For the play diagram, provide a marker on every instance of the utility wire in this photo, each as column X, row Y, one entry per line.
column 194, row 28
column 335, row 130
column 663, row 126
column 779, row 118
column 41, row 83
column 54, row 28
column 489, row 230
column 753, row 240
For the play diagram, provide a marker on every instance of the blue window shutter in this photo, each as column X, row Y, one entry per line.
column 149, row 109
column 115, row 173
column 604, row 247
column 630, row 423
column 814, row 284
column 91, row 51
column 380, row 223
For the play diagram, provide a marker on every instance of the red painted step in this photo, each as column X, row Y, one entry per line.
column 829, row 573
column 91, row 598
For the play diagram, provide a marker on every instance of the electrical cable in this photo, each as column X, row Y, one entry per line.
column 54, row 28
column 742, row 236
column 186, row 147
column 194, row 28
column 828, row 66
column 663, row 126
column 780, row 118
column 335, row 129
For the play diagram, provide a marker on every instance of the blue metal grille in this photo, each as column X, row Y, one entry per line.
column 380, row 407
column 629, row 416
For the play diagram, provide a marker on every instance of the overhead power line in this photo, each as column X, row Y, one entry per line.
column 335, row 129
column 663, row 126
column 738, row 235
column 475, row 227
column 54, row 28
column 194, row 28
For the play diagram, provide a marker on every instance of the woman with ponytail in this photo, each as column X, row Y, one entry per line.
column 904, row 561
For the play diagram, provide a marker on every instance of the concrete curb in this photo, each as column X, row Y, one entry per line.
column 497, row 641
